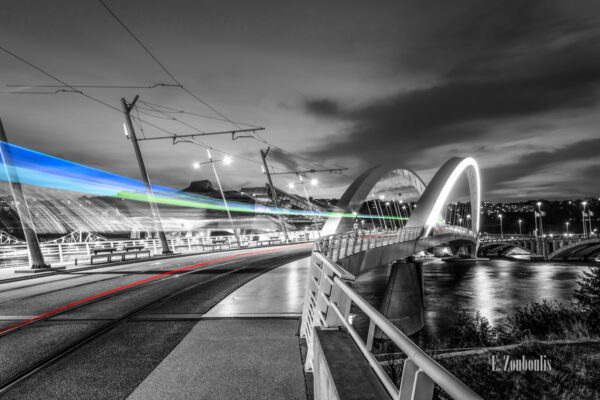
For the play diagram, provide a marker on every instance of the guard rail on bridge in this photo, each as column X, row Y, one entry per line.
column 327, row 305
column 342, row 245
column 14, row 255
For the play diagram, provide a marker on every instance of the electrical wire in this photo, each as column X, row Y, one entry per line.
column 164, row 68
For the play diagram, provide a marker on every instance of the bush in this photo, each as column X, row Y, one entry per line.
column 472, row 330
column 545, row 320
column 588, row 294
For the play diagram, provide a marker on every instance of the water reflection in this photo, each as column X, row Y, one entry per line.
column 495, row 288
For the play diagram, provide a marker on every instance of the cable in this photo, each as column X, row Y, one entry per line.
column 174, row 79
column 97, row 86
column 53, row 77
column 163, row 66
column 180, row 111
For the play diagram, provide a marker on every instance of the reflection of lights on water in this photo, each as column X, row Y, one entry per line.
column 483, row 288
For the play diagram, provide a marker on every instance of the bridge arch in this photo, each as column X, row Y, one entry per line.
column 584, row 249
column 429, row 206
column 356, row 194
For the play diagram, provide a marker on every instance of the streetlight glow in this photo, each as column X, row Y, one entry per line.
column 314, row 182
column 290, row 185
column 196, row 165
column 227, row 160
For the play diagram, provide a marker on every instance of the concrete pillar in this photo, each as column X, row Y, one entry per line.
column 403, row 299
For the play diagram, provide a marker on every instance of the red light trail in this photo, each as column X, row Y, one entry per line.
column 143, row 281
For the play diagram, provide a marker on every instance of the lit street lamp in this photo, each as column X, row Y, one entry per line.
column 539, row 204
column 226, row 160
column 567, row 225
column 520, row 222
column 583, row 203
column 501, row 231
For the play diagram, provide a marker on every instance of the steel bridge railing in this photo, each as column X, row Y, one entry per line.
column 342, row 245
column 15, row 255
column 327, row 304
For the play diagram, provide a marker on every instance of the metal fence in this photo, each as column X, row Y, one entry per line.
column 80, row 252
column 342, row 245
column 327, row 304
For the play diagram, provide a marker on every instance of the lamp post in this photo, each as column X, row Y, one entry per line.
column 226, row 160
column 520, row 222
column 501, row 231
column 590, row 218
column 313, row 182
column 567, row 225
column 539, row 204
column 583, row 203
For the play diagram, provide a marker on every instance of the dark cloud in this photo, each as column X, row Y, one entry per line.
column 530, row 163
column 498, row 63
column 324, row 108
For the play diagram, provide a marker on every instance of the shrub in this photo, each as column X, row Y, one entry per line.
column 588, row 294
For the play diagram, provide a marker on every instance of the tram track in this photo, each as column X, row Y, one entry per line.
column 23, row 374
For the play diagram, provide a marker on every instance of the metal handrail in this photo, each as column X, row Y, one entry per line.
column 16, row 254
column 327, row 304
column 442, row 377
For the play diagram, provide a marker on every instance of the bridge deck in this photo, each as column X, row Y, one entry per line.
column 242, row 348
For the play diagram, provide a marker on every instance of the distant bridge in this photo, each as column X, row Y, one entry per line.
column 550, row 248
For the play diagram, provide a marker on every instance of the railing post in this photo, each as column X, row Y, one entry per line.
column 347, row 245
column 60, row 252
column 339, row 247
column 370, row 335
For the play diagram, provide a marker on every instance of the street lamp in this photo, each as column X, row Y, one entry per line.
column 501, row 231
column 583, row 203
column 539, row 204
column 290, row 185
column 567, row 225
column 520, row 222
column 226, row 160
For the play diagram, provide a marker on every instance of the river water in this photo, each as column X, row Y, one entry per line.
column 495, row 288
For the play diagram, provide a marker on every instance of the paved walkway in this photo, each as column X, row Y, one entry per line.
column 245, row 347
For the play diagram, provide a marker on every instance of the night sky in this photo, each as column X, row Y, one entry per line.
column 514, row 84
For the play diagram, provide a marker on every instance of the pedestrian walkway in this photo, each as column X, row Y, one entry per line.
column 245, row 347
column 278, row 293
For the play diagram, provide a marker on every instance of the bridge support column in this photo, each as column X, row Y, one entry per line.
column 403, row 300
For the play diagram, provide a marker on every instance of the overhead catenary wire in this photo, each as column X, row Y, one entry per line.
column 105, row 104
column 162, row 66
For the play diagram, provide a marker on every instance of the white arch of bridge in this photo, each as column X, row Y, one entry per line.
column 356, row 194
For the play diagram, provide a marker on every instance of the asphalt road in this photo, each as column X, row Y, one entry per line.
column 104, row 346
